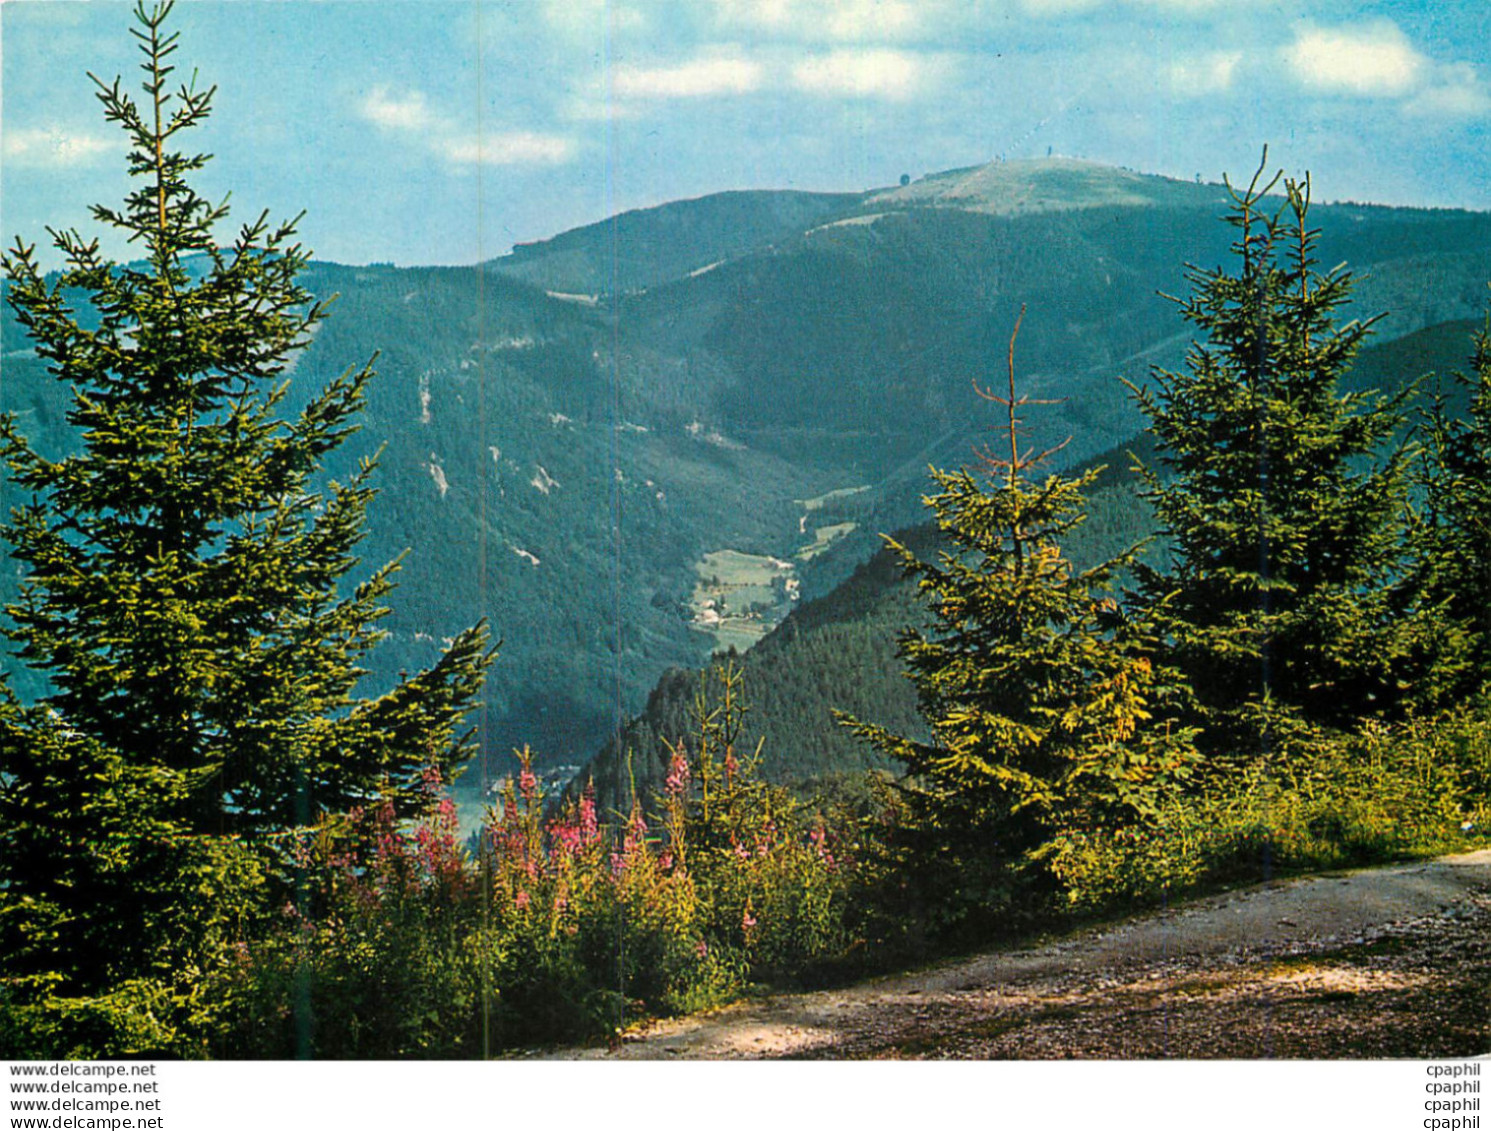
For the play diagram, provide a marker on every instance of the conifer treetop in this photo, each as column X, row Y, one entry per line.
column 184, row 565
column 1286, row 499
column 1045, row 707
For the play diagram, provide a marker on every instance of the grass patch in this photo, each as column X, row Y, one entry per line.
column 739, row 597
column 818, row 502
column 1385, row 795
column 824, row 537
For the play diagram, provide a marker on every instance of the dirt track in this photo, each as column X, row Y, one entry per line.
column 1387, row 962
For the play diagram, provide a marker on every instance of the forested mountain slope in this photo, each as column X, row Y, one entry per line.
column 839, row 652
column 575, row 437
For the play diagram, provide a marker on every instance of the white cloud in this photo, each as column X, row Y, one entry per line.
column 409, row 111
column 1204, row 74
column 871, row 19
column 54, row 148
column 584, row 19
column 696, row 79
column 777, row 15
column 1456, row 91
column 1375, row 59
column 875, row 73
column 517, row 147
column 1378, row 60
column 1058, row 7
column 1191, row 5
column 1177, row 7
column 855, row 21
column 598, row 108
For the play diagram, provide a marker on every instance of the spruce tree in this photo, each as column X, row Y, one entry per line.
column 183, row 593
column 1454, row 543
column 1287, row 587
column 1048, row 712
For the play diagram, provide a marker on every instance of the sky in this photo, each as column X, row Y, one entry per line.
column 445, row 131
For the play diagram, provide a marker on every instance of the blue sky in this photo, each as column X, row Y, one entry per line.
column 427, row 131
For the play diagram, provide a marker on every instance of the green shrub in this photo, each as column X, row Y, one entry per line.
column 590, row 925
column 1325, row 801
column 378, row 955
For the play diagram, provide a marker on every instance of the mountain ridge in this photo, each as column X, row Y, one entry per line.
column 563, row 467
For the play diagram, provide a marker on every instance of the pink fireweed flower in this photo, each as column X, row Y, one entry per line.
column 590, row 828
column 821, row 845
column 747, row 921
column 388, row 848
column 522, row 900
column 636, row 833
column 702, row 949
column 632, row 844
column 678, row 776
column 565, row 837
column 500, row 839
column 437, row 853
column 528, row 785
column 427, row 844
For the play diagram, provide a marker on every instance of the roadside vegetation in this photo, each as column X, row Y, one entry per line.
column 212, row 844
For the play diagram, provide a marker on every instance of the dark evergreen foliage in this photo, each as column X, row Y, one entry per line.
column 182, row 593
column 1286, row 510
column 747, row 348
column 1455, row 538
column 1047, row 710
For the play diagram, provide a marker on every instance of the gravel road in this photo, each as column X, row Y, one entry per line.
column 1383, row 962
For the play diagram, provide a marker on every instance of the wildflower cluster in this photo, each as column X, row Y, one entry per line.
column 592, row 922
column 376, row 954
